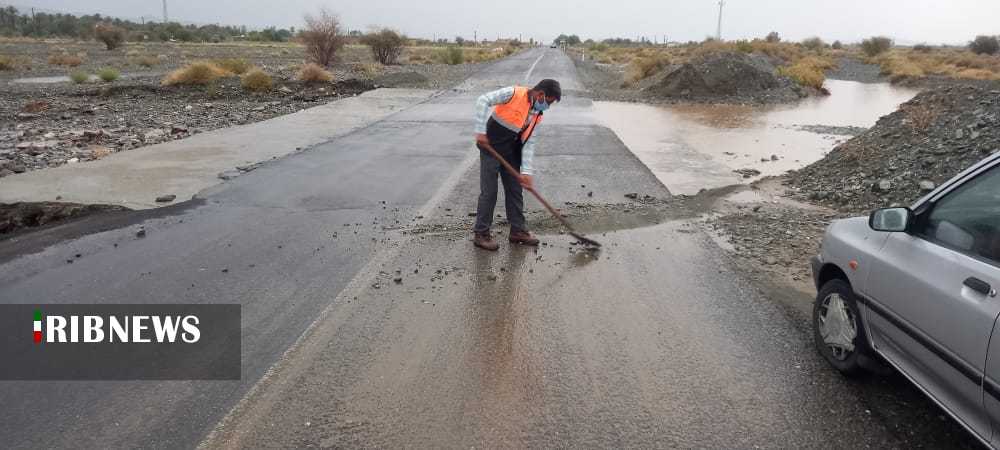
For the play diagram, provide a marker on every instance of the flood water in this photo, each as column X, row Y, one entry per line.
column 694, row 147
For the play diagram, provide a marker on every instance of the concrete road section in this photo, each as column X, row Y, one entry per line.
column 371, row 321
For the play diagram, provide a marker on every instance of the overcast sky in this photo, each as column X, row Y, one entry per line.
column 908, row 21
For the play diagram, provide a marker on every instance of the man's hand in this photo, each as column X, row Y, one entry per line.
column 526, row 181
column 482, row 140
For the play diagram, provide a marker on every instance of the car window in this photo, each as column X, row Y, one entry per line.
column 968, row 218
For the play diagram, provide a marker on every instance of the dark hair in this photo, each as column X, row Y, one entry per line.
column 550, row 88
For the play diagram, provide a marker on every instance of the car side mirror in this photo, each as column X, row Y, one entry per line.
column 893, row 220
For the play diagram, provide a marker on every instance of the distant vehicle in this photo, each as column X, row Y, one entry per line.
column 917, row 287
column 554, row 46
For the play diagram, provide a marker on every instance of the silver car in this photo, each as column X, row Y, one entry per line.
column 917, row 287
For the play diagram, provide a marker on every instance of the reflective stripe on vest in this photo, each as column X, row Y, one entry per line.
column 513, row 114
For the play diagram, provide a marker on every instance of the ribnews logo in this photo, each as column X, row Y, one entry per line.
column 120, row 342
column 136, row 329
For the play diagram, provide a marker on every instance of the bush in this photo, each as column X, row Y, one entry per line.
column 452, row 55
column 79, row 76
column 744, row 46
column 773, row 37
column 985, row 45
column 235, row 66
column 322, row 37
column 876, row 45
column 108, row 74
column 196, row 73
column 837, row 45
column 922, row 48
column 147, row 61
column 641, row 68
column 256, row 80
column 814, row 43
column 804, row 74
column 312, row 73
column 7, row 63
column 64, row 59
column 386, row 45
column 110, row 35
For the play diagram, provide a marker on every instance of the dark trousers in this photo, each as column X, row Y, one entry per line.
column 513, row 195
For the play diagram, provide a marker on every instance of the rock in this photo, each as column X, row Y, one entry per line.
column 18, row 168
column 153, row 134
column 26, row 116
column 285, row 90
column 5, row 172
column 178, row 129
column 98, row 152
column 141, row 232
column 774, row 157
column 229, row 174
column 959, row 134
column 72, row 160
column 882, row 186
column 166, row 198
column 632, row 196
column 927, row 186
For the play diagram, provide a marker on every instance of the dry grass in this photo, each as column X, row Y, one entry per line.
column 196, row 73
column 63, row 59
column 642, row 67
column 902, row 65
column 7, row 62
column 235, row 66
column 256, row 80
column 313, row 73
column 371, row 70
column 146, row 61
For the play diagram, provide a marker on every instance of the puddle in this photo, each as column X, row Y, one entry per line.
column 694, row 147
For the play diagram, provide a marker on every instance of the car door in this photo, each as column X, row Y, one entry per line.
column 932, row 304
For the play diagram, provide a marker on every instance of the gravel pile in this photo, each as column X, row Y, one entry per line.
column 907, row 153
column 55, row 124
column 729, row 76
column 852, row 69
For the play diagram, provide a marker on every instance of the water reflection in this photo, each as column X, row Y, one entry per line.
column 694, row 147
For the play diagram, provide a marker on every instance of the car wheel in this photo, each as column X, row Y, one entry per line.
column 838, row 331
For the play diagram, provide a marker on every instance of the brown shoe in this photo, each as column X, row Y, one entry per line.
column 523, row 238
column 485, row 241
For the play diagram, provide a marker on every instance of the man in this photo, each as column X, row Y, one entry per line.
column 509, row 130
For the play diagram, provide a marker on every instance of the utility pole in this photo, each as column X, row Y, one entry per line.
column 718, row 31
column 166, row 18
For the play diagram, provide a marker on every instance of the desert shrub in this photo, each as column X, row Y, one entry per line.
column 599, row 47
column 899, row 68
column 256, row 80
column 108, row 74
column 371, row 70
column 313, row 73
column 641, row 68
column 386, row 45
column 147, row 61
column 978, row 74
column 452, row 55
column 985, row 45
column 110, row 35
column 922, row 48
column 235, row 66
column 63, row 59
column 814, row 44
column 744, row 46
column 322, row 37
column 808, row 71
column 7, row 62
column 837, row 45
column 875, row 46
column 79, row 76
column 196, row 73
column 773, row 37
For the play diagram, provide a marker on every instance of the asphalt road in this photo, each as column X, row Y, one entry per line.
column 656, row 341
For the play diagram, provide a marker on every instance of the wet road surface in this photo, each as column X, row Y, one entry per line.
column 653, row 342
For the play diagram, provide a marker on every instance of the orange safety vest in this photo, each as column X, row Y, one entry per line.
column 513, row 115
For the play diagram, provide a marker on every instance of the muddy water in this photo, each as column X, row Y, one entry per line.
column 694, row 147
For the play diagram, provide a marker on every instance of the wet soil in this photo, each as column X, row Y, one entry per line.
column 18, row 217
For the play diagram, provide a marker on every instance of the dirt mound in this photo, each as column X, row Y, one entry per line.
column 402, row 79
column 17, row 216
column 907, row 153
column 727, row 76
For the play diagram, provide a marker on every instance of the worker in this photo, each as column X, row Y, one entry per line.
column 509, row 131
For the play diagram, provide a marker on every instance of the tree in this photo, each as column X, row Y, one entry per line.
column 386, row 45
column 985, row 45
column 876, row 45
column 814, row 43
column 773, row 37
column 110, row 35
column 322, row 37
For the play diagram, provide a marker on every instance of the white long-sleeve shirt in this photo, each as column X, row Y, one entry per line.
column 498, row 97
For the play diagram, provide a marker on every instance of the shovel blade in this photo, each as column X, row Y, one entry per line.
column 586, row 240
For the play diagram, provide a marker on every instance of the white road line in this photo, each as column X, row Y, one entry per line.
column 532, row 69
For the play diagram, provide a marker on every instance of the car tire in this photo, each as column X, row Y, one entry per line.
column 838, row 330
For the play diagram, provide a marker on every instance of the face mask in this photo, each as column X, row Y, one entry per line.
column 541, row 105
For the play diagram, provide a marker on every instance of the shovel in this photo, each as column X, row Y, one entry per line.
column 510, row 169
